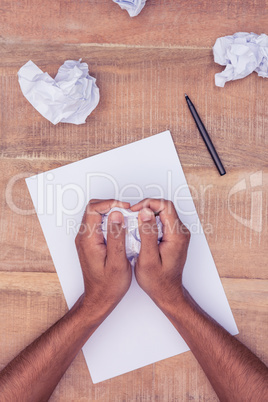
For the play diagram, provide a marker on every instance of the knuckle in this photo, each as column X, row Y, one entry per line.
column 188, row 238
column 147, row 201
column 89, row 247
column 119, row 248
column 90, row 211
column 148, row 258
column 84, row 241
column 144, row 265
column 111, row 202
column 169, row 202
column 162, row 201
column 113, row 267
column 154, row 263
column 117, row 266
column 186, row 232
column 169, row 205
column 77, row 240
column 182, row 237
column 89, row 208
column 166, row 205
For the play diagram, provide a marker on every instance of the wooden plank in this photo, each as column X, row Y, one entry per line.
column 142, row 93
column 161, row 23
column 248, row 301
column 238, row 250
column 23, row 247
column 31, row 302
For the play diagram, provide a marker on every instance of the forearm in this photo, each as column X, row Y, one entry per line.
column 234, row 371
column 35, row 372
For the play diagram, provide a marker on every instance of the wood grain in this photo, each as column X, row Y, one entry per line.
column 142, row 93
column 161, row 23
column 143, row 68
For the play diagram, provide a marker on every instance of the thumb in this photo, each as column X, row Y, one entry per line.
column 116, row 252
column 149, row 235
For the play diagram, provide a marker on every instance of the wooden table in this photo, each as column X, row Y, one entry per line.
column 143, row 67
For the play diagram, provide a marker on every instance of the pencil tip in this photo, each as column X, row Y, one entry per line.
column 186, row 96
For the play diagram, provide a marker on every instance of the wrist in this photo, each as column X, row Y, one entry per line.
column 95, row 311
column 88, row 312
column 176, row 307
column 184, row 314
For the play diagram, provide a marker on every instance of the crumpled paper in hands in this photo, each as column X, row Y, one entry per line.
column 68, row 98
column 241, row 53
column 133, row 7
column 133, row 240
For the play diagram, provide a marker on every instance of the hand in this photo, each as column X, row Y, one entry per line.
column 159, row 267
column 106, row 270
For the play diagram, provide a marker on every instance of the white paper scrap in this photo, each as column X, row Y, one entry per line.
column 136, row 333
column 133, row 240
column 68, row 98
column 241, row 53
column 133, row 7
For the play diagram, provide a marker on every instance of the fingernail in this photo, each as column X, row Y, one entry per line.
column 146, row 214
column 116, row 217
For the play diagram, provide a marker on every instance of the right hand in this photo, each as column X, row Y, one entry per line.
column 106, row 270
column 159, row 267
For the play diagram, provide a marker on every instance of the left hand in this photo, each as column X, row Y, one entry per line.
column 159, row 267
column 106, row 269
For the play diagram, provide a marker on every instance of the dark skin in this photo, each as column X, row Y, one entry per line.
column 235, row 373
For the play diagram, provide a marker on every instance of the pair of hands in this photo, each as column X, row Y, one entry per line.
column 106, row 270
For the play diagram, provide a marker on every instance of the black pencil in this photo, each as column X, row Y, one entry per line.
column 205, row 137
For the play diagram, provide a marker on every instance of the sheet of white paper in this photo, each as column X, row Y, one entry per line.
column 241, row 53
column 133, row 7
column 68, row 98
column 136, row 333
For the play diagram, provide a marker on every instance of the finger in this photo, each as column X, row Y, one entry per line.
column 149, row 236
column 168, row 215
column 116, row 252
column 114, row 203
column 92, row 219
column 157, row 204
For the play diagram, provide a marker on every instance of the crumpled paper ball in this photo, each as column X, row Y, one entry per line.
column 68, row 98
column 241, row 53
column 133, row 7
column 133, row 240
